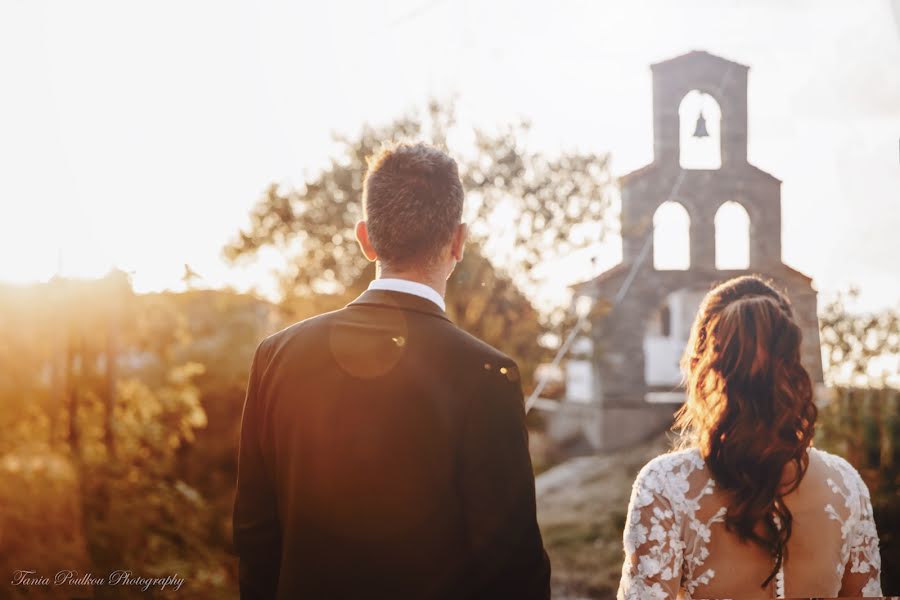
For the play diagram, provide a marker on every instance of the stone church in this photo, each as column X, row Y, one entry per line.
column 631, row 369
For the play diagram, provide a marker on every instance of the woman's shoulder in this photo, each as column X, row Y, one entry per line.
column 672, row 481
column 840, row 470
column 686, row 459
column 674, row 465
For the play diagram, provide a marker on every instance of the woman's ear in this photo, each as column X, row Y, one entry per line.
column 362, row 236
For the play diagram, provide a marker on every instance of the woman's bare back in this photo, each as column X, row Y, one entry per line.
column 676, row 543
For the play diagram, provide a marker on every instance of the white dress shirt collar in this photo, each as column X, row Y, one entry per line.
column 409, row 287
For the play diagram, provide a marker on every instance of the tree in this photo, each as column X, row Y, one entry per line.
column 525, row 211
column 859, row 348
column 91, row 454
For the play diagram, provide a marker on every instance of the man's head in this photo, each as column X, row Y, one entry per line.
column 412, row 205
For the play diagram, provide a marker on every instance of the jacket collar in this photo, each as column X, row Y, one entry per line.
column 400, row 301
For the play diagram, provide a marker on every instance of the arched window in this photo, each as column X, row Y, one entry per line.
column 699, row 114
column 671, row 238
column 732, row 237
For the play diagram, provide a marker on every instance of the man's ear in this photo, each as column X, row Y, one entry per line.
column 458, row 244
column 362, row 236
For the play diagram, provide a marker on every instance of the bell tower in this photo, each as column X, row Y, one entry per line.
column 722, row 79
column 638, row 344
column 702, row 191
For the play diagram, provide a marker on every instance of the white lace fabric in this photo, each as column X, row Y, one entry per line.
column 676, row 544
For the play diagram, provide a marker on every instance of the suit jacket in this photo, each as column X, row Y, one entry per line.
column 384, row 454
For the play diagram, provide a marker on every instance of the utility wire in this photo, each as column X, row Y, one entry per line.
column 623, row 289
column 620, row 295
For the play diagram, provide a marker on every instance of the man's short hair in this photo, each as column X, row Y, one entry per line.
column 412, row 202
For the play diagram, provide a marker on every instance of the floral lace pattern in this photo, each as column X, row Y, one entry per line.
column 860, row 538
column 666, row 543
column 657, row 559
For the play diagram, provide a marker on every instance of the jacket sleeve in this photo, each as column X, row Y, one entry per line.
column 257, row 534
column 497, row 489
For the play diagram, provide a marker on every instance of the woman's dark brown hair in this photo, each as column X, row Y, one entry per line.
column 750, row 407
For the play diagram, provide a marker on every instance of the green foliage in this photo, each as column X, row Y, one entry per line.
column 41, row 517
column 525, row 211
column 859, row 348
column 136, row 511
column 130, row 467
column 863, row 425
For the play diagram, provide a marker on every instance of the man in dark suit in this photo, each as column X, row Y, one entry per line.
column 383, row 450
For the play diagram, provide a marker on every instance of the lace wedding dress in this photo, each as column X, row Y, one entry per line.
column 676, row 544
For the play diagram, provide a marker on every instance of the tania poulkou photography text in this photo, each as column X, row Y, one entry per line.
column 421, row 299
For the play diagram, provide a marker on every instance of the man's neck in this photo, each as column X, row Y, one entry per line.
column 436, row 283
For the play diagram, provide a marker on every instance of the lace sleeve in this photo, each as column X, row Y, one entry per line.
column 862, row 573
column 653, row 549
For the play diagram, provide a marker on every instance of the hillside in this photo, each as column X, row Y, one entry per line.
column 581, row 509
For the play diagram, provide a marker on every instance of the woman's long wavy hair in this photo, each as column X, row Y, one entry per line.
column 750, row 407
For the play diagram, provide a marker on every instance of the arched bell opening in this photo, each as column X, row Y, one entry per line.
column 700, row 127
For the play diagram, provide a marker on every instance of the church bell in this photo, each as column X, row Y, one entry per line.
column 700, row 130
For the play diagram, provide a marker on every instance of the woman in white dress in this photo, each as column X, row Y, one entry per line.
column 747, row 508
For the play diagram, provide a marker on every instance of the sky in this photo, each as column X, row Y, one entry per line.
column 139, row 134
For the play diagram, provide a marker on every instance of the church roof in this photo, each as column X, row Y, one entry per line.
column 764, row 173
column 791, row 271
column 649, row 167
column 602, row 278
column 601, row 282
column 694, row 56
column 652, row 166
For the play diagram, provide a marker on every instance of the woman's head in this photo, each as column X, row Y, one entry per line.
column 750, row 406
